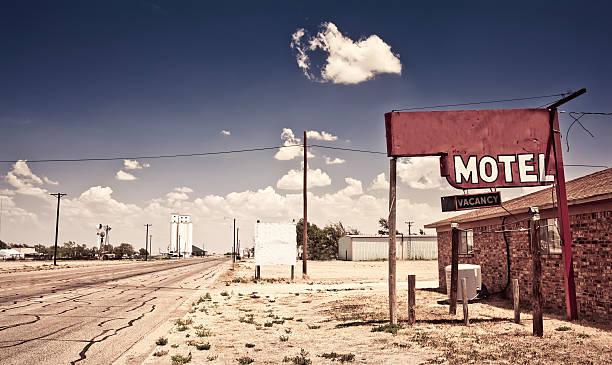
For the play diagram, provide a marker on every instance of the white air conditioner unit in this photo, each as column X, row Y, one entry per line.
column 473, row 277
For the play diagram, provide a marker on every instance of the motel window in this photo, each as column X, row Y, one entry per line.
column 466, row 242
column 550, row 241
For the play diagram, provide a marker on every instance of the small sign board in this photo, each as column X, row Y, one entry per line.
column 470, row 201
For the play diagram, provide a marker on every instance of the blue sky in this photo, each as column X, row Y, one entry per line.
column 133, row 78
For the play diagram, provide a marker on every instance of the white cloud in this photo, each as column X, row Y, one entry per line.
column 134, row 165
column 184, row 189
column 294, row 179
column 421, row 173
column 124, row 176
column 24, row 180
column 289, row 153
column 225, row 132
column 379, row 183
column 348, row 62
column 321, row 136
column 49, row 181
column 334, row 161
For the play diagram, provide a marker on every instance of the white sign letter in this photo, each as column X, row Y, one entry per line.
column 464, row 171
column 488, row 160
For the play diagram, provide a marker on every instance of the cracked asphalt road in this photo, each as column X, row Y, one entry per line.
column 93, row 315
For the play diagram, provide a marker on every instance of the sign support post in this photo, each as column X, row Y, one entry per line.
column 392, row 244
column 563, row 211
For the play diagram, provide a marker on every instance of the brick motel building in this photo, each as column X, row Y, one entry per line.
column 505, row 255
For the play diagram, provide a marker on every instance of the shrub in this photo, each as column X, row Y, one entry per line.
column 162, row 341
column 563, row 328
column 249, row 345
column 245, row 360
column 160, row 353
column 202, row 346
column 203, row 333
column 389, row 328
column 284, row 338
column 180, row 359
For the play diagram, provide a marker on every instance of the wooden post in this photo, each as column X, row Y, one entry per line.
column 516, row 301
column 454, row 269
column 392, row 231
column 466, row 319
column 536, row 294
column 305, row 196
column 411, row 298
column 292, row 271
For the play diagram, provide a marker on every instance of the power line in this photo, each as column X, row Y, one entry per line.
column 585, row 113
column 154, row 156
column 484, row 102
column 348, row 149
column 95, row 159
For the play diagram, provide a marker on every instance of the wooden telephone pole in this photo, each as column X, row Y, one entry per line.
column 59, row 196
column 147, row 242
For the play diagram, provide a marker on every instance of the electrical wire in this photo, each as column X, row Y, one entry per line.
column 484, row 102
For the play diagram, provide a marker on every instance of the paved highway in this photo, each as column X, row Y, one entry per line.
column 94, row 315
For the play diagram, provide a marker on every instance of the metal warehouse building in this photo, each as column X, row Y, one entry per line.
column 364, row 248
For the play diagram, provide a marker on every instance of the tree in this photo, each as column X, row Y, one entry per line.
column 384, row 227
column 124, row 249
column 3, row 245
column 322, row 243
column 142, row 251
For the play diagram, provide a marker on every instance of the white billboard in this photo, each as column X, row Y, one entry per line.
column 275, row 244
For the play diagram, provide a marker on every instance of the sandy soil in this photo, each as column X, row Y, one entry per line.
column 7, row 266
column 333, row 317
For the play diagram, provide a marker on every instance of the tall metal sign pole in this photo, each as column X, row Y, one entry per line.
column 234, row 246
column 392, row 244
column 147, row 242
column 59, row 196
column 305, row 231
column 566, row 236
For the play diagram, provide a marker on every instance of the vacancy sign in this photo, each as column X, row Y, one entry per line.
column 478, row 148
column 470, row 201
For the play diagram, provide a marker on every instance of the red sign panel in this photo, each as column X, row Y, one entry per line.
column 478, row 148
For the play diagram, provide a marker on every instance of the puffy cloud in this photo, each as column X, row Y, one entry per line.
column 321, row 136
column 24, row 180
column 184, row 189
column 334, row 161
column 294, row 179
column 421, row 173
column 380, row 182
column 289, row 153
column 124, row 176
column 225, row 133
column 348, row 61
column 49, row 181
column 134, row 165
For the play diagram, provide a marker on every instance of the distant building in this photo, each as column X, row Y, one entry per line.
column 11, row 254
column 364, row 248
column 196, row 251
column 181, row 235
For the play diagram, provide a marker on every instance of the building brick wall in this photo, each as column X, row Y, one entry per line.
column 592, row 258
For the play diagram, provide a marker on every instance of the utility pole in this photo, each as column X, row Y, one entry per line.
column 1, row 211
column 409, row 225
column 305, row 232
column 151, row 244
column 147, row 242
column 238, row 241
column 59, row 196
column 234, row 246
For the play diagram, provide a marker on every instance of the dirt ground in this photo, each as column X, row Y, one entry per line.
column 8, row 266
column 339, row 315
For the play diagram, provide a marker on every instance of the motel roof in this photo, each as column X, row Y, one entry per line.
column 594, row 187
